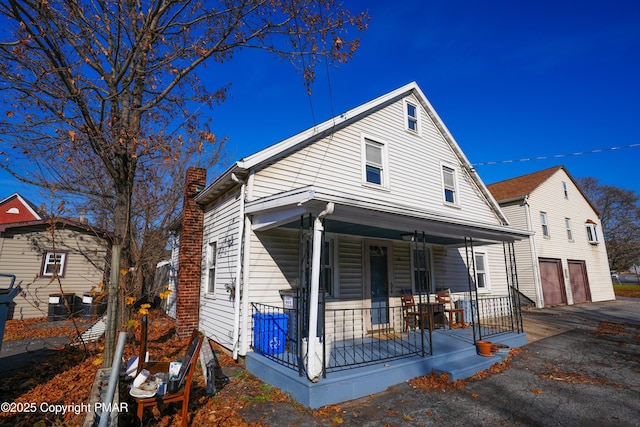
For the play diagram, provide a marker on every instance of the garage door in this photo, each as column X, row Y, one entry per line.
column 552, row 282
column 579, row 281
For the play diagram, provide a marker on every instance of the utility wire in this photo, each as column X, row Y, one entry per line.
column 556, row 156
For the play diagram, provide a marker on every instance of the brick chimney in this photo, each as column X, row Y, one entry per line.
column 190, row 255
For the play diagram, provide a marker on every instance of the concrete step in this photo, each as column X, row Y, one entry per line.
column 464, row 367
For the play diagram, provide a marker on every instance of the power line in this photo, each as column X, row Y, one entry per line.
column 556, row 156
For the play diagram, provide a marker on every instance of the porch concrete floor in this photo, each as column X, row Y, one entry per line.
column 454, row 353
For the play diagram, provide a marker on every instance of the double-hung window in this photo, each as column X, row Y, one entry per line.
column 544, row 223
column 411, row 117
column 328, row 272
column 212, row 253
column 482, row 271
column 449, row 185
column 53, row 263
column 374, row 155
column 567, row 223
column 565, row 190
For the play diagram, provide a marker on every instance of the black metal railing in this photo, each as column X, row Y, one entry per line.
column 350, row 341
column 497, row 315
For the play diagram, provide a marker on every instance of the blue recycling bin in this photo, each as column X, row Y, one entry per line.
column 6, row 298
column 270, row 332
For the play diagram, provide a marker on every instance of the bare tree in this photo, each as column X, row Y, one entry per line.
column 619, row 211
column 98, row 83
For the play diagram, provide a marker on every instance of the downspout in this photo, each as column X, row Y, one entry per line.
column 535, row 265
column 238, row 278
column 245, row 333
column 313, row 293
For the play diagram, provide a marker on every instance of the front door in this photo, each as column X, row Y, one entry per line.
column 377, row 257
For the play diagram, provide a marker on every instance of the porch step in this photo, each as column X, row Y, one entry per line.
column 465, row 366
column 465, row 362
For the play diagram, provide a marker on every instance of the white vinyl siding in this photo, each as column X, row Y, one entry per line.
column 335, row 162
column 216, row 303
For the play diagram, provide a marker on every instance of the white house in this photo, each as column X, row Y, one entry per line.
column 566, row 260
column 320, row 234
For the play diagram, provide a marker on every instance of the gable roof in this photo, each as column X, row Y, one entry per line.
column 59, row 222
column 31, row 209
column 241, row 168
column 522, row 186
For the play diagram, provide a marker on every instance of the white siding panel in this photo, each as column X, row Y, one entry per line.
column 414, row 167
column 216, row 308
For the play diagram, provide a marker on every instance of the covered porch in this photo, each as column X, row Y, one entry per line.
column 367, row 362
column 360, row 340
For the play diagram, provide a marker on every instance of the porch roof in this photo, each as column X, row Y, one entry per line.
column 374, row 219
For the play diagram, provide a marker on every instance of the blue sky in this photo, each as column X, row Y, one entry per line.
column 511, row 80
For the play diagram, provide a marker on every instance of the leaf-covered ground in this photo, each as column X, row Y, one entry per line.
column 66, row 379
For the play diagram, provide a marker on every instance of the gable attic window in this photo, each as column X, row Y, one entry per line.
column 54, row 262
column 592, row 232
column 13, row 211
column 374, row 156
column 449, row 184
column 565, row 190
column 411, row 117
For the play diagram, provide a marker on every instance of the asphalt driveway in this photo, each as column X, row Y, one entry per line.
column 580, row 368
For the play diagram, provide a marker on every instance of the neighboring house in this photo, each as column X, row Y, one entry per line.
column 34, row 250
column 17, row 209
column 566, row 260
column 320, row 234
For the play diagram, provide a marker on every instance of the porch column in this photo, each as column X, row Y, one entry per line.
column 318, row 229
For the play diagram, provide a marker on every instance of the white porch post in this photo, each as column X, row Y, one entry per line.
column 312, row 373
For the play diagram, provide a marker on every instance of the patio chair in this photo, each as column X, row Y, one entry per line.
column 412, row 313
column 184, row 377
column 444, row 297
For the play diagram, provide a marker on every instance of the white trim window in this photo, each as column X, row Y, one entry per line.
column 212, row 252
column 412, row 117
column 545, row 224
column 374, row 163
column 565, row 190
column 482, row 271
column 421, row 265
column 449, row 185
column 53, row 263
column 567, row 223
column 329, row 275
column 592, row 232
